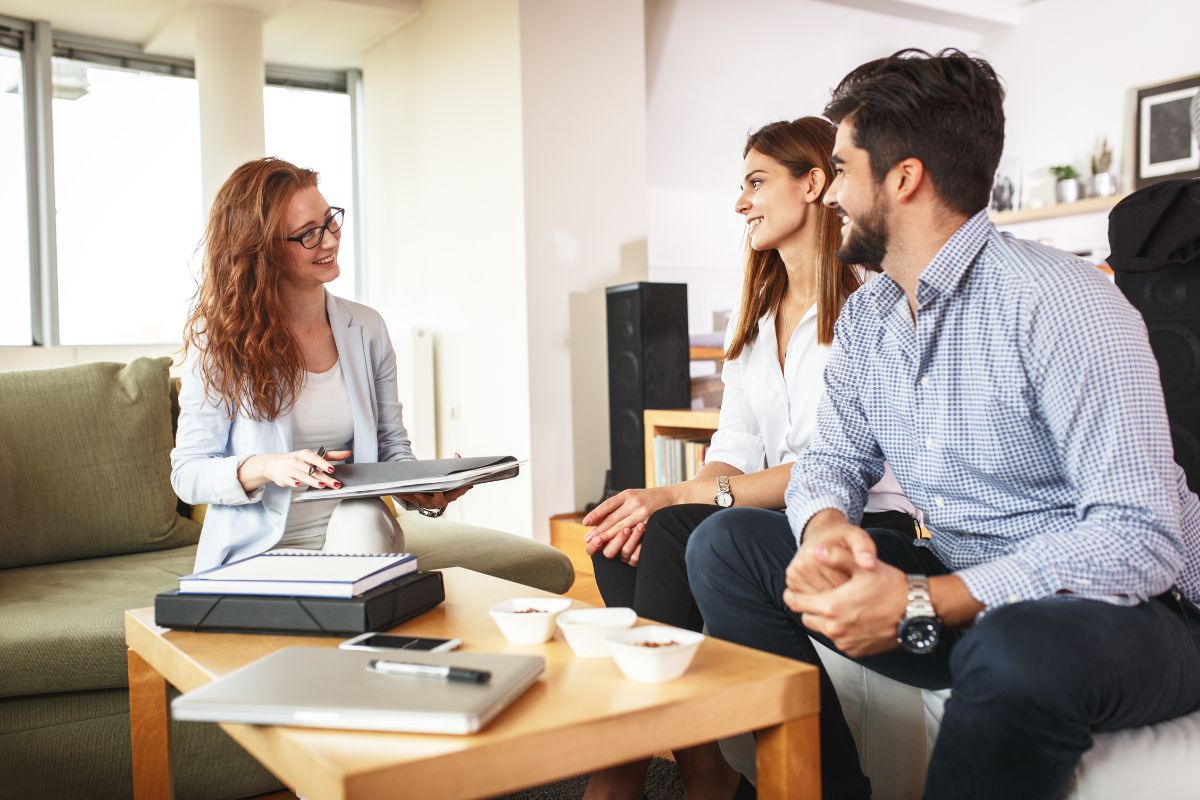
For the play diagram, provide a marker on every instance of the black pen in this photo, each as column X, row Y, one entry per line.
column 407, row 668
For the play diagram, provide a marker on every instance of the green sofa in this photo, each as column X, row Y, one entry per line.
column 89, row 527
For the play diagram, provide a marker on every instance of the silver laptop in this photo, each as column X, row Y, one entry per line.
column 324, row 687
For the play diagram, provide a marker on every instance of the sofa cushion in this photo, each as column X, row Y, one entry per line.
column 442, row 542
column 62, row 626
column 1151, row 761
column 76, row 745
column 92, row 446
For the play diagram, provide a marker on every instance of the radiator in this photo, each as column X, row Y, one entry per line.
column 417, row 393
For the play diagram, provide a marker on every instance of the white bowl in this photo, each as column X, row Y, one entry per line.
column 530, row 627
column 654, row 664
column 586, row 629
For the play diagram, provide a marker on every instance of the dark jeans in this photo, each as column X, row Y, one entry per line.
column 657, row 588
column 1032, row 681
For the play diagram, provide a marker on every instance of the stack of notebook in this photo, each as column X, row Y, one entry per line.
column 302, row 591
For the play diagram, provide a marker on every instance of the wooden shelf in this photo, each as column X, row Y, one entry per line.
column 703, row 353
column 1089, row 206
column 678, row 423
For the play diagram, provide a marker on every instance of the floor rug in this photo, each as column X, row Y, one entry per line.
column 662, row 783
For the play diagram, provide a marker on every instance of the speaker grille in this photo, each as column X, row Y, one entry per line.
column 647, row 368
column 1169, row 300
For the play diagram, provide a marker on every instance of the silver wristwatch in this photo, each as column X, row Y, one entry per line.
column 724, row 497
column 920, row 629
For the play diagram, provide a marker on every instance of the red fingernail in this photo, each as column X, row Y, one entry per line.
column 329, row 469
column 337, row 484
column 322, row 485
column 297, row 483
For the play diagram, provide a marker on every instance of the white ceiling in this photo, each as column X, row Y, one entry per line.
column 325, row 34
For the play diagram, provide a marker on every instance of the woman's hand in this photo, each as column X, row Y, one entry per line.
column 433, row 501
column 290, row 470
column 626, row 543
column 621, row 514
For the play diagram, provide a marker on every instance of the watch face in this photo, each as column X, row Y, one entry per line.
column 724, row 499
column 920, row 634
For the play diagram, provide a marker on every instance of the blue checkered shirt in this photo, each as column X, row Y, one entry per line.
column 1023, row 415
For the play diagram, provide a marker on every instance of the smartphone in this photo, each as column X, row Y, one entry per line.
column 385, row 642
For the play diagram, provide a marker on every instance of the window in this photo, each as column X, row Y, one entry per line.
column 312, row 129
column 15, row 320
column 100, row 158
column 128, row 196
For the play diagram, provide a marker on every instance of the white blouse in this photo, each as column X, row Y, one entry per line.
column 320, row 416
column 768, row 415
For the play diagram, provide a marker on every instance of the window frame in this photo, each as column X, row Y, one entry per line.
column 38, row 43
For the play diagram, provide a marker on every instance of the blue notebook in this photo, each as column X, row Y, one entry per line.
column 301, row 573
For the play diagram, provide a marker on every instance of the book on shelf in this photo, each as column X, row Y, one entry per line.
column 301, row 573
column 677, row 459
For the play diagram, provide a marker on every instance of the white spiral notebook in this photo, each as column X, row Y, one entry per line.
column 301, row 573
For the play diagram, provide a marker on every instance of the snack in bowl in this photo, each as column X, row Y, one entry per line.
column 528, row 620
column 654, row 653
column 586, row 629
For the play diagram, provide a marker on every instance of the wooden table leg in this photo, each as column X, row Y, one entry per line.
column 149, row 729
column 788, row 760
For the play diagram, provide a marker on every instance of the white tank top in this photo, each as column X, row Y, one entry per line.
column 321, row 416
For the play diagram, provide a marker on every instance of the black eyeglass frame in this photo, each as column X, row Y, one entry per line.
column 336, row 217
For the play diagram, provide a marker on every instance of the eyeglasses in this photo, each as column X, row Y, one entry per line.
column 312, row 237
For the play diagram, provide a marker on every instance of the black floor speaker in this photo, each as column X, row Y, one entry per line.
column 647, row 368
column 1169, row 300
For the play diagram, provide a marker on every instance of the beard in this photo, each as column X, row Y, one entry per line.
column 867, row 243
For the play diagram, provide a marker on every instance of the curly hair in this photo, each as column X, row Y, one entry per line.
column 801, row 145
column 246, row 354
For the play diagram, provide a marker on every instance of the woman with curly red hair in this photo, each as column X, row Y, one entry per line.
column 277, row 369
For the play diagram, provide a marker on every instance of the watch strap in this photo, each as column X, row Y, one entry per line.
column 723, row 490
column 920, row 604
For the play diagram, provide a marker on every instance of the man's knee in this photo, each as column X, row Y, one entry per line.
column 1014, row 658
column 712, row 542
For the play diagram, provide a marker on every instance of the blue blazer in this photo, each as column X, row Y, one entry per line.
column 209, row 446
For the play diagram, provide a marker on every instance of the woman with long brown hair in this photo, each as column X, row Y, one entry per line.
column 283, row 379
column 776, row 347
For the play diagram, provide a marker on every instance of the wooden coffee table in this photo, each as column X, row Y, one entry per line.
column 581, row 716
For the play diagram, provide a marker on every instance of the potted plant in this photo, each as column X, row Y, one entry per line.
column 1066, row 189
column 1104, row 182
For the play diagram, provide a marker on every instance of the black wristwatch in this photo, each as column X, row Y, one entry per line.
column 724, row 497
column 920, row 629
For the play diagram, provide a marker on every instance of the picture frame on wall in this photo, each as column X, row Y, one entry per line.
column 1166, row 145
column 1006, row 186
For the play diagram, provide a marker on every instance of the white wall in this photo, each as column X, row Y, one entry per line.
column 506, row 189
column 446, row 241
column 1072, row 69
column 584, row 105
column 1064, row 92
column 717, row 71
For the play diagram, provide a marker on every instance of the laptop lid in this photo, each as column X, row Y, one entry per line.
column 324, row 687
